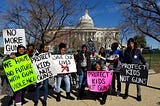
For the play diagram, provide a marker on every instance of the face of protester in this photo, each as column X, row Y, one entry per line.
column 98, row 67
column 63, row 50
column 131, row 45
column 45, row 48
column 21, row 50
column 84, row 49
column 30, row 48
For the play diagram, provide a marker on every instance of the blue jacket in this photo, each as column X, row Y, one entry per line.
column 133, row 56
column 117, row 52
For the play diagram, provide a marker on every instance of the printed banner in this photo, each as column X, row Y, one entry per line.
column 64, row 63
column 43, row 66
column 99, row 81
column 134, row 73
column 12, row 38
column 20, row 72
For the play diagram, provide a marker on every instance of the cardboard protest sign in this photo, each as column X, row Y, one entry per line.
column 43, row 66
column 12, row 38
column 134, row 73
column 64, row 63
column 99, row 81
column 20, row 72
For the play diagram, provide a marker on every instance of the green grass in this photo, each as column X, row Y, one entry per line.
column 153, row 59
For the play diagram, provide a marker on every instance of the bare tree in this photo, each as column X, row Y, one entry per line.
column 142, row 16
column 38, row 17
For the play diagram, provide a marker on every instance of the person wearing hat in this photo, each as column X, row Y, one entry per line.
column 132, row 55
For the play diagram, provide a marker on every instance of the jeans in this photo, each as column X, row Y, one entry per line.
column 18, row 96
column 59, row 80
column 82, row 79
column 116, row 74
column 138, row 89
column 45, row 85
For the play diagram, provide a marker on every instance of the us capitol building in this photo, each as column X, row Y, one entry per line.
column 85, row 30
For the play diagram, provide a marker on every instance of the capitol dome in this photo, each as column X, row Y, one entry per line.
column 85, row 21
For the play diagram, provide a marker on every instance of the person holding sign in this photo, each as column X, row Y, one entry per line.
column 103, row 94
column 30, row 50
column 116, row 74
column 65, row 77
column 18, row 96
column 84, row 64
column 132, row 55
column 43, row 48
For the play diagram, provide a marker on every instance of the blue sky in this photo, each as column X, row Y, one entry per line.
column 105, row 14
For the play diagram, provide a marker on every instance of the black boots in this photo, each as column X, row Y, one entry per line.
column 125, row 96
column 69, row 96
column 139, row 98
column 80, row 93
column 58, row 98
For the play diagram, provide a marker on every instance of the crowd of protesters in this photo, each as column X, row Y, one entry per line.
column 84, row 62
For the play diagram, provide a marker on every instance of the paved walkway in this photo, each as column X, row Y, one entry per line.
column 150, row 97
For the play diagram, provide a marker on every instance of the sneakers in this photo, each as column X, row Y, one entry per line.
column 125, row 96
column 139, row 98
column 44, row 103
column 118, row 93
column 102, row 102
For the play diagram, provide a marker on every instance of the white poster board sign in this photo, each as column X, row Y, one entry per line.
column 12, row 38
column 43, row 66
column 64, row 63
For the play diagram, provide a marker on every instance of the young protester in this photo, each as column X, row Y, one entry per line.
column 84, row 64
column 18, row 96
column 100, row 95
column 43, row 48
column 132, row 55
column 116, row 74
column 30, row 50
column 65, row 77
column 102, row 53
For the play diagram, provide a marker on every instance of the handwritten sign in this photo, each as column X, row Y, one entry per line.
column 99, row 81
column 134, row 73
column 12, row 38
column 20, row 72
column 64, row 63
column 43, row 66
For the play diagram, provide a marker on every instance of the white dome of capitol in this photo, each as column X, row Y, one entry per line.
column 85, row 21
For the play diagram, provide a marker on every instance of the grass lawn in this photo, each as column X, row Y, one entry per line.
column 153, row 59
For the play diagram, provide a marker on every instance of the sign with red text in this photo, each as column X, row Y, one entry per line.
column 12, row 38
column 64, row 63
column 134, row 73
column 99, row 81
column 43, row 66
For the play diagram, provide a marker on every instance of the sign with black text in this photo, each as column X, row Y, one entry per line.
column 43, row 66
column 20, row 72
column 134, row 73
column 12, row 38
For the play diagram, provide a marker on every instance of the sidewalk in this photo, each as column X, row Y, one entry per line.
column 150, row 97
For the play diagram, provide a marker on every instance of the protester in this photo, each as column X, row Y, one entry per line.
column 30, row 50
column 102, row 53
column 65, row 77
column 84, row 64
column 43, row 48
column 132, row 55
column 116, row 74
column 100, row 95
column 18, row 96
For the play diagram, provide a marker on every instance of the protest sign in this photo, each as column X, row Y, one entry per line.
column 99, row 81
column 134, row 73
column 20, row 72
column 43, row 66
column 64, row 63
column 12, row 38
